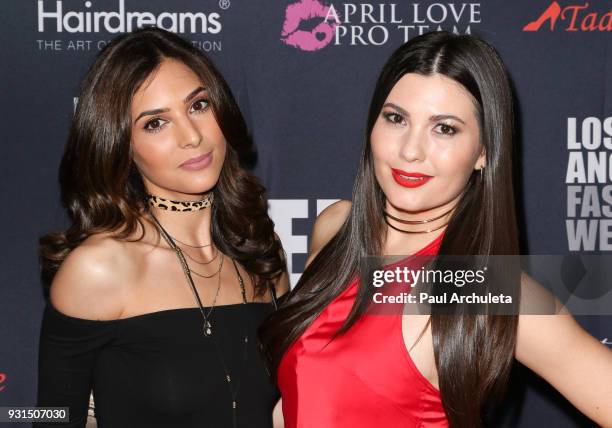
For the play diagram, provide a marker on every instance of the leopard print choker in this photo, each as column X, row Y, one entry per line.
column 166, row 204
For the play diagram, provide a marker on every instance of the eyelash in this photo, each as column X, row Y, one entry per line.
column 449, row 127
column 160, row 127
column 391, row 117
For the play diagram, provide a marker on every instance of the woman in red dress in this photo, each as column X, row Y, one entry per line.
column 435, row 178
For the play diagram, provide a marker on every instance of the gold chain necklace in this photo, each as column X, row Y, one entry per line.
column 207, row 276
column 203, row 263
column 207, row 326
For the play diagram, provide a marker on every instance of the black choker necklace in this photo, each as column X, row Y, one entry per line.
column 428, row 220
column 167, row 204
column 413, row 231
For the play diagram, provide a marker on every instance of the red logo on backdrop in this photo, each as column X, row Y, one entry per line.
column 2, row 379
column 575, row 17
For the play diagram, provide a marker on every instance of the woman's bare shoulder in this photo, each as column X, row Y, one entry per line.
column 327, row 225
column 90, row 282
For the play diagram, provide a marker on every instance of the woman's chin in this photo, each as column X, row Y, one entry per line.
column 407, row 205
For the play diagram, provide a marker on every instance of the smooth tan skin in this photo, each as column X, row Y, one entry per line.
column 411, row 134
column 555, row 347
column 107, row 279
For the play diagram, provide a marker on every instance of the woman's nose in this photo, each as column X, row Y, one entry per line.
column 412, row 145
column 190, row 134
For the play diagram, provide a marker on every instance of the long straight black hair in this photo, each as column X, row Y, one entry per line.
column 103, row 191
column 473, row 353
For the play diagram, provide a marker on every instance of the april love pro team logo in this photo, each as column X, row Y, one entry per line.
column 300, row 13
column 311, row 25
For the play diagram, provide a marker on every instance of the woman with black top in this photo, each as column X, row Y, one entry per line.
column 171, row 261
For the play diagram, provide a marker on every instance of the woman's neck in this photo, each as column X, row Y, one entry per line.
column 186, row 227
column 407, row 238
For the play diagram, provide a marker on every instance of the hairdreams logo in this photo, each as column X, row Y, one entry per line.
column 120, row 21
column 311, row 25
column 575, row 17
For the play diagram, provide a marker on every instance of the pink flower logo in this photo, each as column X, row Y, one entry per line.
column 306, row 26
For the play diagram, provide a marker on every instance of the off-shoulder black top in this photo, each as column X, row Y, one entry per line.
column 156, row 369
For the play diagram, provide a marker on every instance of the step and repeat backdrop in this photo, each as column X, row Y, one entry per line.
column 303, row 72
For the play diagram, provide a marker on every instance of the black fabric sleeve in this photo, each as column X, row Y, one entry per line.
column 282, row 298
column 68, row 349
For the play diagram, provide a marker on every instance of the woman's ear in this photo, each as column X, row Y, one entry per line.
column 480, row 162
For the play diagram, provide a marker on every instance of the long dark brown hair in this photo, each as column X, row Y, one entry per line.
column 103, row 191
column 473, row 353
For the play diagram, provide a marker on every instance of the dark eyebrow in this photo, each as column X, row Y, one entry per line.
column 193, row 93
column 151, row 113
column 398, row 108
column 445, row 116
column 435, row 118
column 188, row 98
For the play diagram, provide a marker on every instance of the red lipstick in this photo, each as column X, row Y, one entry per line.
column 409, row 179
column 198, row 162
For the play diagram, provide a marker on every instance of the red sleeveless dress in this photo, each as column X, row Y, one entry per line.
column 363, row 378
